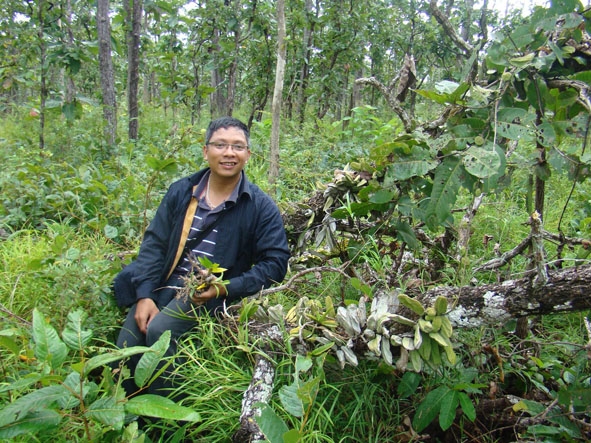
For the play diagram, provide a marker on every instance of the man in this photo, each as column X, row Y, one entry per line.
column 216, row 213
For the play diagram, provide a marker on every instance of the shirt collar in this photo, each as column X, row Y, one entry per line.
column 233, row 198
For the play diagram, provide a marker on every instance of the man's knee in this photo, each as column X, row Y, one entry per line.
column 156, row 328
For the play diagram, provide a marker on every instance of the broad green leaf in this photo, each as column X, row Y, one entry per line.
column 382, row 196
column 546, row 135
column 160, row 407
column 48, row 345
column 72, row 254
column 322, row 349
column 446, row 184
column 514, row 124
column 150, row 360
column 442, row 340
column 21, row 383
column 408, row 384
column 168, row 165
column 307, row 391
column 440, row 305
column 405, row 233
column 108, row 411
column 403, row 169
column 482, row 163
column 447, row 412
column 72, row 383
column 442, row 99
column 41, row 420
column 7, row 342
column 290, row 400
column 411, row 303
column 292, row 436
column 74, row 336
column 416, row 360
column 111, row 232
column 467, row 406
column 362, row 287
column 429, row 408
column 271, row 425
column 36, row 400
column 110, row 357
column 302, row 364
column 523, row 61
column 579, row 397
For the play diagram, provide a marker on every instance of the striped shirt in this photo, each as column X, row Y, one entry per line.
column 204, row 216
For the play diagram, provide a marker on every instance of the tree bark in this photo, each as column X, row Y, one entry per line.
column 305, row 68
column 43, row 73
column 217, row 97
column 134, row 20
column 260, row 388
column 566, row 290
column 277, row 96
column 107, row 75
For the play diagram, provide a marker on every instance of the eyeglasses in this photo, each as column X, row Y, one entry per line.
column 224, row 146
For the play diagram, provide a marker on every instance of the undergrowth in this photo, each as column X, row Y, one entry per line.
column 73, row 214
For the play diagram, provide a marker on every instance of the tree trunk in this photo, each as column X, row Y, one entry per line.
column 565, row 291
column 261, row 386
column 217, row 97
column 232, row 75
column 69, row 80
column 305, row 69
column 107, row 75
column 43, row 74
column 277, row 95
column 134, row 19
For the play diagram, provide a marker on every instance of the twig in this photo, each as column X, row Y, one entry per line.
column 300, row 274
column 539, row 254
column 506, row 257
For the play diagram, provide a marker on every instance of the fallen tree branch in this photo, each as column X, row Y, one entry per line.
column 260, row 389
column 566, row 290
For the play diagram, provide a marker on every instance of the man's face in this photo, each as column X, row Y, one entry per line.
column 226, row 161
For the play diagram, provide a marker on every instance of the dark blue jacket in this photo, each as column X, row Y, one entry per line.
column 251, row 245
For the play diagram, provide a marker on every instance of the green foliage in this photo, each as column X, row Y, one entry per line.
column 444, row 400
column 297, row 399
column 67, row 387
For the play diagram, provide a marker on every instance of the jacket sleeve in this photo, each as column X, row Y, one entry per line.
column 151, row 262
column 270, row 254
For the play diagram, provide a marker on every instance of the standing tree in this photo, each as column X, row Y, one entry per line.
column 107, row 74
column 43, row 69
column 277, row 95
column 133, row 10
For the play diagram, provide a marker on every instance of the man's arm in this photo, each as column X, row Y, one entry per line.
column 270, row 254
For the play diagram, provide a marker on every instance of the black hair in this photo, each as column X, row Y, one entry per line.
column 225, row 123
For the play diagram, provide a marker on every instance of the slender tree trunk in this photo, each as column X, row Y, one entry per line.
column 232, row 75
column 217, row 97
column 43, row 75
column 107, row 75
column 69, row 83
column 277, row 95
column 304, row 72
column 134, row 21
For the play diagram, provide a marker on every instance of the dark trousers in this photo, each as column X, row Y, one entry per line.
column 178, row 317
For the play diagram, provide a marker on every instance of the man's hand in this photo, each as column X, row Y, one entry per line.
column 210, row 293
column 145, row 311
